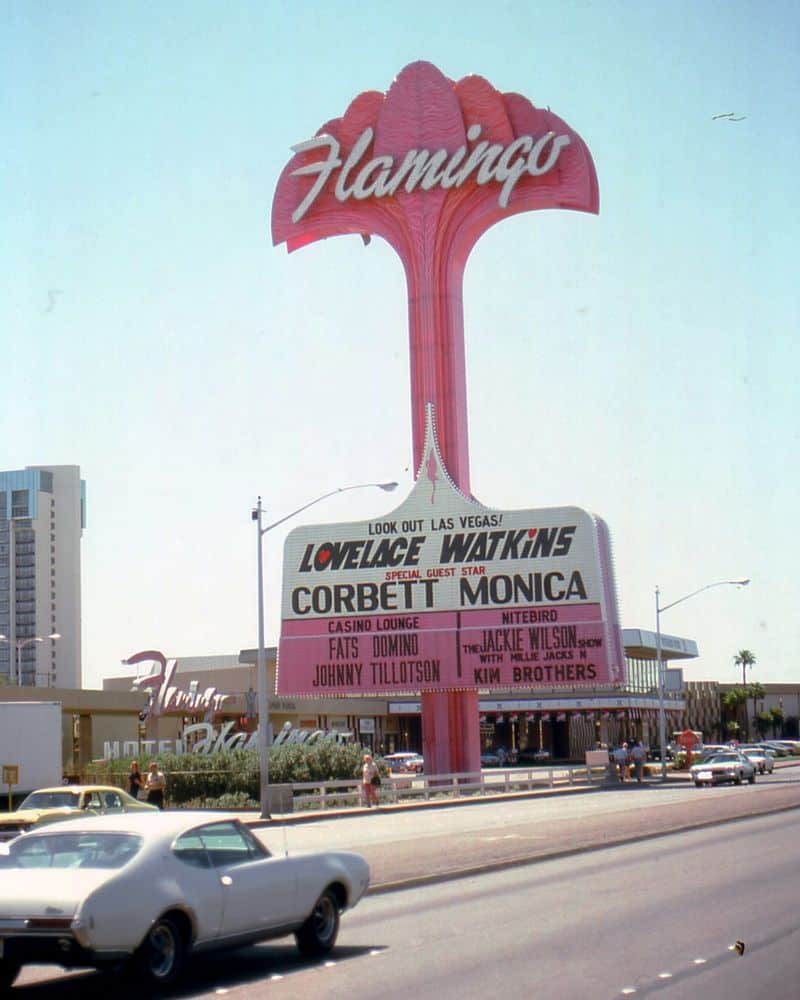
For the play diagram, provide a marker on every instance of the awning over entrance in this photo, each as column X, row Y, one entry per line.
column 641, row 645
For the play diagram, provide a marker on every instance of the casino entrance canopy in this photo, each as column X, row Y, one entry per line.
column 641, row 645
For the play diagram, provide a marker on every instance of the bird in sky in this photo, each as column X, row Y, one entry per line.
column 52, row 295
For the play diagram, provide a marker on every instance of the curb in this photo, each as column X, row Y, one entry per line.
column 292, row 819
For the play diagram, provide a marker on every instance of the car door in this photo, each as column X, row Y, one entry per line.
column 259, row 890
column 198, row 883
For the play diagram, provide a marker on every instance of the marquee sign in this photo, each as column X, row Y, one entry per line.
column 447, row 594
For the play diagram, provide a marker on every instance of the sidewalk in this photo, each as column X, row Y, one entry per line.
column 315, row 815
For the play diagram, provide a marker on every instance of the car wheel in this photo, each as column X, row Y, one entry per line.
column 738, row 778
column 8, row 972
column 752, row 779
column 161, row 956
column 318, row 934
column 698, row 784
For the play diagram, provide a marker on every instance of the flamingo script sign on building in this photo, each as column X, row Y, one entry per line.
column 382, row 177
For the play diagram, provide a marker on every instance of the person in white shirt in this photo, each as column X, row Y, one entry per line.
column 637, row 756
column 621, row 760
column 155, row 784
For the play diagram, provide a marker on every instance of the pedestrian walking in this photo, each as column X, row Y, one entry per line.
column 638, row 756
column 155, row 784
column 370, row 780
column 135, row 780
column 621, row 760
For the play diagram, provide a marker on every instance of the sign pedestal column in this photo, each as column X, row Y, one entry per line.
column 450, row 732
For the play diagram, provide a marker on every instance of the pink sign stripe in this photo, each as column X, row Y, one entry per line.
column 431, row 659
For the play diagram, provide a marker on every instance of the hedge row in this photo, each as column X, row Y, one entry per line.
column 232, row 780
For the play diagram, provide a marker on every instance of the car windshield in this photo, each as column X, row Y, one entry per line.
column 722, row 758
column 72, row 850
column 51, row 800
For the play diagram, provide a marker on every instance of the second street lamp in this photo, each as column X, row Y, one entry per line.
column 660, row 609
column 261, row 663
column 20, row 645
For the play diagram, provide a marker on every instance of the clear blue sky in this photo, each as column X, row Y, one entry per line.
column 641, row 364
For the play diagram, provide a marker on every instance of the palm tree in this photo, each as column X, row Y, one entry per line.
column 756, row 692
column 732, row 701
column 777, row 720
column 744, row 659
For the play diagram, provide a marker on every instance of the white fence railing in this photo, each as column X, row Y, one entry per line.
column 410, row 787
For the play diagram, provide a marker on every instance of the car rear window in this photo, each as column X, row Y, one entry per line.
column 72, row 850
column 51, row 800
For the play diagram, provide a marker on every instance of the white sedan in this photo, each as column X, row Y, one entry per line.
column 145, row 890
column 719, row 768
column 405, row 761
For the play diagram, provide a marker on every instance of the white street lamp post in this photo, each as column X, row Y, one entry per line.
column 662, row 726
column 20, row 645
column 261, row 663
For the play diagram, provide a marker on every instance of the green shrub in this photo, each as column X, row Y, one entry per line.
column 235, row 776
column 233, row 801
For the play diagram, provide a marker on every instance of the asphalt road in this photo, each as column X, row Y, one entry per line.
column 638, row 920
column 625, row 921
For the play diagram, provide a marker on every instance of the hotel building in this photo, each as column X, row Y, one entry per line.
column 42, row 517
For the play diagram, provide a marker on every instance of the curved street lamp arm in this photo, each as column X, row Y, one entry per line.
column 387, row 487
column 708, row 586
column 261, row 662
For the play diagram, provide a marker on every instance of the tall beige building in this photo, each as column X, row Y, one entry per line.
column 42, row 517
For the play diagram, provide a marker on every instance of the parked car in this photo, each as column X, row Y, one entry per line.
column 777, row 748
column 534, row 756
column 150, row 889
column 404, row 761
column 49, row 805
column 709, row 748
column 765, row 763
column 723, row 767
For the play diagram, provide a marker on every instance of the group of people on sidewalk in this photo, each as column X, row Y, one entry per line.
column 626, row 757
column 152, row 786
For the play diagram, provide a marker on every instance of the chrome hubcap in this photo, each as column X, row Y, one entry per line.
column 162, row 950
column 325, row 918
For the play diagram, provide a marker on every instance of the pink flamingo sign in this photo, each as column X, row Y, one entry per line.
column 430, row 165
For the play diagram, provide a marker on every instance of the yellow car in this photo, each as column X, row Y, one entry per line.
column 50, row 805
